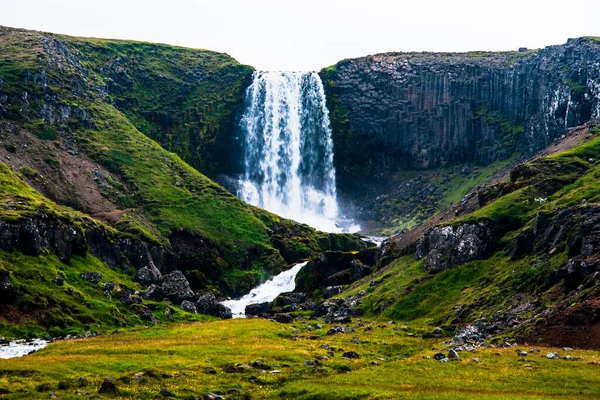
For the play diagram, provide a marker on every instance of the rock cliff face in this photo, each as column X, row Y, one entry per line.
column 425, row 110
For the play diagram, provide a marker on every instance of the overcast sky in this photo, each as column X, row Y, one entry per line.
column 311, row 34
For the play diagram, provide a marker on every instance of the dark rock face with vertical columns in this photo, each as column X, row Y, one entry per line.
column 425, row 110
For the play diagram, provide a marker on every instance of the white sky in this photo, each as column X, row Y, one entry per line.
column 312, row 34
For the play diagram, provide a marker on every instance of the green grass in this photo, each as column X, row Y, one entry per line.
column 138, row 358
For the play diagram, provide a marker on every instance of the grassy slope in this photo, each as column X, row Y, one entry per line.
column 41, row 306
column 137, row 359
column 482, row 288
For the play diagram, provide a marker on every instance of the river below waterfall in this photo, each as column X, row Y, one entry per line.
column 268, row 291
column 19, row 348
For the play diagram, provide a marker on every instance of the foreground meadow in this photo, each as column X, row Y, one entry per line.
column 255, row 358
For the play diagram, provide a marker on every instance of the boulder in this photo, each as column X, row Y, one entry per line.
column 258, row 308
column 448, row 246
column 148, row 275
column 176, row 287
column 108, row 387
column 289, row 298
column 188, row 306
column 331, row 291
column 154, row 292
column 207, row 304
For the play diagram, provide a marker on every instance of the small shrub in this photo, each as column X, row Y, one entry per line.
column 28, row 172
column 11, row 147
column 43, row 387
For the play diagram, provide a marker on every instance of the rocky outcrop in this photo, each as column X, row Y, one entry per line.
column 577, row 229
column 448, row 246
column 207, row 304
column 422, row 110
column 32, row 236
column 334, row 268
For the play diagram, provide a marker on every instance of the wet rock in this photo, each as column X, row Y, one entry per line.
column 176, row 287
column 258, row 308
column 287, row 299
column 93, row 277
column 108, row 386
column 208, row 305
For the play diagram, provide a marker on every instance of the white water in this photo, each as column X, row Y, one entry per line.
column 288, row 150
column 20, row 348
column 268, row 291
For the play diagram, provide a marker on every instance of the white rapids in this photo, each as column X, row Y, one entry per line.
column 288, row 150
column 268, row 291
column 19, row 348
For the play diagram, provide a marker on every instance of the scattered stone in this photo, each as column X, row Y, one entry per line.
column 93, row 277
column 567, row 348
column 108, row 386
column 374, row 363
column 283, row 318
column 234, row 369
column 166, row 393
column 474, row 359
column 534, row 350
column 439, row 356
column 275, row 371
column 351, row 354
column 355, row 341
column 59, row 281
column 551, row 356
column 210, row 370
column 438, row 331
column 444, row 360
column 522, row 353
column 453, row 355
column 335, row 330
column 309, row 363
column 82, row 381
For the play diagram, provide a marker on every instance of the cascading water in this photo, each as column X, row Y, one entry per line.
column 288, row 150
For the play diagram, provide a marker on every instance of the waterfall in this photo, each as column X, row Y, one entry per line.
column 267, row 292
column 288, row 150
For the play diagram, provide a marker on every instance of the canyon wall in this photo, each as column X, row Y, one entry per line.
column 427, row 110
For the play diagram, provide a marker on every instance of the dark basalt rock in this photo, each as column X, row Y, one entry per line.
column 148, row 275
column 334, row 268
column 188, row 306
column 154, row 292
column 258, row 308
column 448, row 246
column 176, row 287
column 207, row 304
column 32, row 236
column 289, row 298
column 108, row 386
